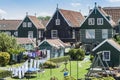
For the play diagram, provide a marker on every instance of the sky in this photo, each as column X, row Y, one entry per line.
column 16, row 9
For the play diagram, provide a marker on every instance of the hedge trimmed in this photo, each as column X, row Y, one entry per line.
column 4, row 58
column 4, row 74
column 49, row 64
column 60, row 59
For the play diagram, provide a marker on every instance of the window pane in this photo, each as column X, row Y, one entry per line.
column 30, row 34
column 99, row 21
column 24, row 24
column 54, row 33
column 29, row 24
column 104, row 33
column 90, row 34
column 106, row 56
column 91, row 21
column 57, row 22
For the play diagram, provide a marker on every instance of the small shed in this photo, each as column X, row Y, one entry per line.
column 110, row 52
column 55, row 46
column 27, row 43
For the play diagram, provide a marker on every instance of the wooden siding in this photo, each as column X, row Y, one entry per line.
column 98, row 36
column 115, row 54
column 64, row 30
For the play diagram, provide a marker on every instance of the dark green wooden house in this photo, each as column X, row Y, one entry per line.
column 109, row 52
column 31, row 27
column 55, row 47
column 97, row 27
column 10, row 27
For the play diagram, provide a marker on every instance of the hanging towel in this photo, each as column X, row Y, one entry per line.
column 19, row 73
column 35, row 62
column 31, row 63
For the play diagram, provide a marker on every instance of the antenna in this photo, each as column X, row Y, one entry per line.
column 35, row 14
column 57, row 11
column 95, row 7
column 95, row 4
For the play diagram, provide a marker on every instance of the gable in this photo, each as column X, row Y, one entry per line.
column 44, row 44
column 51, row 22
column 96, row 13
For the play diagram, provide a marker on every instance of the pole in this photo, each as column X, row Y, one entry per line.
column 77, row 69
column 70, row 66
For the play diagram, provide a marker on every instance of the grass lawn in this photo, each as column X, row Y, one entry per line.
column 83, row 66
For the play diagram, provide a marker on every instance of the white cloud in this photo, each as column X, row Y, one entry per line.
column 44, row 14
column 75, row 4
column 2, row 12
column 114, row 0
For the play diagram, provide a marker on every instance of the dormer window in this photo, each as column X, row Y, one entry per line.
column 57, row 21
column 99, row 21
column 91, row 21
column 24, row 24
column 29, row 24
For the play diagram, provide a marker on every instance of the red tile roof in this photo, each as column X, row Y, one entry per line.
column 72, row 17
column 25, row 41
column 9, row 24
column 56, row 43
column 36, row 22
column 106, row 15
column 114, row 12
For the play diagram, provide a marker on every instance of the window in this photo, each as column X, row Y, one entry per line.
column 16, row 33
column 30, row 34
column 24, row 24
column 104, row 34
column 73, row 34
column 54, row 33
column 29, row 24
column 90, row 34
column 57, row 21
column 91, row 21
column 8, row 32
column 99, row 21
column 40, row 34
column 106, row 55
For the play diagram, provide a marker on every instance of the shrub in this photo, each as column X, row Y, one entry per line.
column 49, row 64
column 77, row 54
column 91, row 58
column 4, row 58
column 54, row 78
column 4, row 74
column 60, row 59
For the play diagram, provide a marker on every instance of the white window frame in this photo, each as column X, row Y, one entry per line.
column 89, row 35
column 40, row 34
column 91, row 21
column 16, row 33
column 29, row 24
column 57, row 21
column 73, row 34
column 104, row 56
column 30, row 34
column 24, row 24
column 104, row 33
column 54, row 33
column 100, row 21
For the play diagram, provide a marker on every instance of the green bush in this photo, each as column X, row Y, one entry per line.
column 77, row 54
column 91, row 57
column 49, row 64
column 4, row 74
column 4, row 58
column 69, row 78
column 60, row 59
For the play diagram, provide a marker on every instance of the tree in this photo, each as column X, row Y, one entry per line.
column 8, row 43
column 44, row 18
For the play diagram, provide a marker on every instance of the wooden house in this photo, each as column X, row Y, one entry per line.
column 9, row 26
column 31, row 27
column 114, row 13
column 64, row 24
column 109, row 51
column 96, row 28
column 55, row 47
column 27, row 43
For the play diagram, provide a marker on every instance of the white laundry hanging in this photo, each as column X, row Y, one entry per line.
column 35, row 62
column 19, row 73
column 31, row 63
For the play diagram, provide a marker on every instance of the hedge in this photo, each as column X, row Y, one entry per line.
column 60, row 59
column 4, row 58
column 4, row 74
column 49, row 64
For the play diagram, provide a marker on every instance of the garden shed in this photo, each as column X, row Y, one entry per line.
column 110, row 52
column 55, row 46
